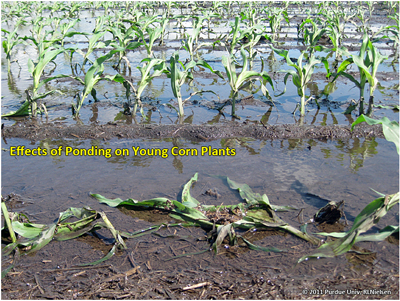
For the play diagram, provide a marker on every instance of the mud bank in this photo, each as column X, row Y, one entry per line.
column 34, row 132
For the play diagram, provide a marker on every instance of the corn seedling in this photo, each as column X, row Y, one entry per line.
column 301, row 76
column 10, row 42
column 275, row 16
column 250, row 39
column 190, row 43
column 153, row 35
column 367, row 61
column 124, row 36
column 92, row 77
column 179, row 77
column 159, row 68
column 94, row 42
column 30, row 105
column 311, row 38
column 244, row 78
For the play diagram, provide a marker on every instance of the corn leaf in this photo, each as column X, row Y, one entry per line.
column 366, row 219
column 187, row 199
column 390, row 128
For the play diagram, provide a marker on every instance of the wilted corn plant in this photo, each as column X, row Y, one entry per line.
column 33, row 237
column 300, row 76
column 238, row 82
column 367, row 61
column 257, row 213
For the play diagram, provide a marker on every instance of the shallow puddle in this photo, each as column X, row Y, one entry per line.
column 302, row 173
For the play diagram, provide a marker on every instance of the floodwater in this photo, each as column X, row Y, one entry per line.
column 301, row 173
column 201, row 108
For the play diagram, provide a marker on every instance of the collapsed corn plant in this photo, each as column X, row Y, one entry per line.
column 257, row 213
column 33, row 237
column 367, row 218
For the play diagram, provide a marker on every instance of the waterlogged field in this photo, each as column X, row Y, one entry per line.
column 139, row 62
column 303, row 174
column 199, row 218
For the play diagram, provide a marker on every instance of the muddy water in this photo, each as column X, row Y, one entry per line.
column 302, row 173
column 201, row 108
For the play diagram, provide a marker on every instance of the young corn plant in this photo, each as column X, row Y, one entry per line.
column 251, row 38
column 190, row 43
column 367, row 61
column 311, row 37
column 159, row 68
column 301, row 76
column 244, row 78
column 12, row 39
column 179, row 77
column 152, row 34
column 124, row 36
column 92, row 77
column 275, row 17
column 36, row 69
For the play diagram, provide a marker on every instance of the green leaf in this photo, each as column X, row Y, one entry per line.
column 24, row 110
column 108, row 256
column 258, row 248
column 187, row 199
column 27, row 230
column 390, row 128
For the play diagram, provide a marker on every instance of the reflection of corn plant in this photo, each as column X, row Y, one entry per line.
column 238, row 82
column 367, row 61
column 10, row 42
column 300, row 76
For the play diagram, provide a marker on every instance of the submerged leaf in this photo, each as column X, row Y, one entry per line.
column 258, row 248
column 108, row 256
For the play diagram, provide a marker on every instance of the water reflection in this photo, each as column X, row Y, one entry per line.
column 355, row 151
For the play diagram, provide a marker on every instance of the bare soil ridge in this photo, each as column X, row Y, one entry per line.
column 35, row 132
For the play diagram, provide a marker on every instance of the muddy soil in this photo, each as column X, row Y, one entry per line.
column 34, row 132
column 145, row 270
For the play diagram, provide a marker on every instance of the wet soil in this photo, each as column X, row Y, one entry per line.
column 34, row 132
